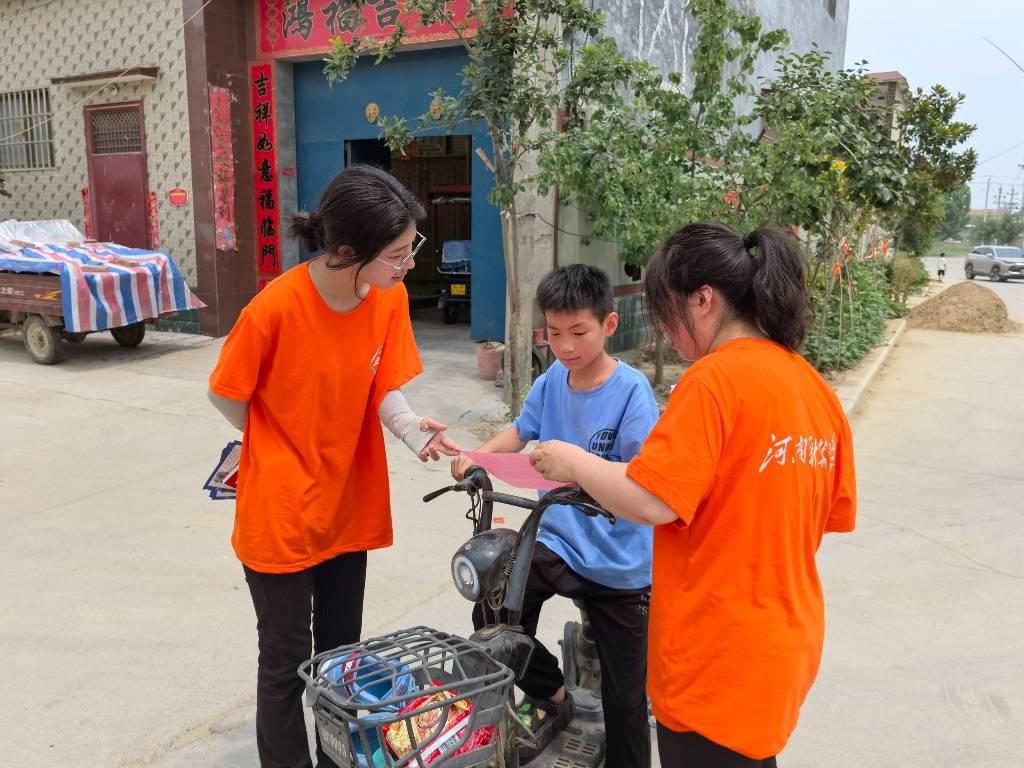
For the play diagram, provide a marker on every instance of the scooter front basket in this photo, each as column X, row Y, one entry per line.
column 416, row 697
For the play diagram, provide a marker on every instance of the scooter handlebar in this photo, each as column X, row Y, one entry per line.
column 476, row 479
column 470, row 483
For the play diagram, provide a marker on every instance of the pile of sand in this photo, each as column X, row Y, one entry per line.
column 965, row 307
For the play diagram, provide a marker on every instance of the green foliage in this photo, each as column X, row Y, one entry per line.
column 826, row 159
column 999, row 230
column 1010, row 229
column 850, row 310
column 919, row 226
column 906, row 275
column 957, row 207
column 936, row 165
column 897, row 310
column 641, row 155
column 514, row 83
column 932, row 138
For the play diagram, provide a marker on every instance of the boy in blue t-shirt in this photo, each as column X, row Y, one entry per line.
column 592, row 400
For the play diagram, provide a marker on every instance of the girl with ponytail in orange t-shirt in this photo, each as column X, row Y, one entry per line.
column 749, row 466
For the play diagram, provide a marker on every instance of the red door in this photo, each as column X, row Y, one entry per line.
column 116, row 145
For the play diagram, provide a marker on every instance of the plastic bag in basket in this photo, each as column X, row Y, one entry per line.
column 423, row 725
column 366, row 679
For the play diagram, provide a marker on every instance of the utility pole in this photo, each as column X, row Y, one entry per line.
column 988, row 186
column 999, row 198
column 1021, row 212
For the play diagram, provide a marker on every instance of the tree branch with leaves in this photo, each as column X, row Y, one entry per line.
column 513, row 83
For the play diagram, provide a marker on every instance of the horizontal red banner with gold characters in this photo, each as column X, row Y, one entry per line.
column 300, row 27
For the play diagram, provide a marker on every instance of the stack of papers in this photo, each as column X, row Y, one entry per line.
column 223, row 481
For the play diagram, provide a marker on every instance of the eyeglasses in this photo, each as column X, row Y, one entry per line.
column 417, row 244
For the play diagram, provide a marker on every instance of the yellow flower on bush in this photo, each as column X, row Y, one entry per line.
column 838, row 166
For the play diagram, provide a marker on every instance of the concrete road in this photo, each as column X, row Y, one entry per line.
column 924, row 657
column 126, row 628
column 128, row 633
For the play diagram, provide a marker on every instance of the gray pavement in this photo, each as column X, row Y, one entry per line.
column 125, row 624
column 128, row 633
column 924, row 654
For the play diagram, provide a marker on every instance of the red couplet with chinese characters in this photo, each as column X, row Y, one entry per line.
column 154, row 222
column 223, row 169
column 268, row 239
column 86, row 214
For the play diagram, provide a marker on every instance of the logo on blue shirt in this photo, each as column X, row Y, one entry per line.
column 602, row 442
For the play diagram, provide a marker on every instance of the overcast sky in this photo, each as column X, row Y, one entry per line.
column 943, row 41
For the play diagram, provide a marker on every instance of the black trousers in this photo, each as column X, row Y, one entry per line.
column 328, row 595
column 691, row 750
column 618, row 618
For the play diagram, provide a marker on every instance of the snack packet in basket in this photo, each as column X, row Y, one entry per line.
column 423, row 725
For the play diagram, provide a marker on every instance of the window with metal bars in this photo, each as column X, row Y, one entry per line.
column 25, row 139
column 116, row 132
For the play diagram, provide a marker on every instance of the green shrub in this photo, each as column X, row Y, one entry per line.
column 906, row 275
column 850, row 310
column 897, row 310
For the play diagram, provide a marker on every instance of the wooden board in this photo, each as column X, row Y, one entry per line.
column 30, row 293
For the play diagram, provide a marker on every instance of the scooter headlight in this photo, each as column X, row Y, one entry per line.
column 476, row 566
column 467, row 580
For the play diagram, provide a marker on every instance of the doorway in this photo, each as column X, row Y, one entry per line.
column 436, row 169
column 116, row 147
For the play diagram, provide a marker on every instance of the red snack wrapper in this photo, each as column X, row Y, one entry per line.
column 396, row 735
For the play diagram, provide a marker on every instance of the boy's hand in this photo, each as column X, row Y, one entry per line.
column 556, row 460
column 459, row 466
column 440, row 443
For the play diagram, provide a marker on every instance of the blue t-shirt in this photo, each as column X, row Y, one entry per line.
column 611, row 421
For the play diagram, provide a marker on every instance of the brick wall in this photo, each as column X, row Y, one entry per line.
column 46, row 40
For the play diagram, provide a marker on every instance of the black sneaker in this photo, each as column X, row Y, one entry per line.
column 544, row 720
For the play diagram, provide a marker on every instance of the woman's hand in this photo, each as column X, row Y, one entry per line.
column 441, row 444
column 556, row 460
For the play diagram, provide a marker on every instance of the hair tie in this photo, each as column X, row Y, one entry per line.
column 750, row 241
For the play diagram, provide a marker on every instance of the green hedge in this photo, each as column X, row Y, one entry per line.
column 850, row 311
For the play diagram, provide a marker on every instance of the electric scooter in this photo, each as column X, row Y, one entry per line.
column 420, row 697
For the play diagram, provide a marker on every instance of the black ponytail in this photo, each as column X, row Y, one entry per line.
column 308, row 229
column 760, row 275
column 780, row 292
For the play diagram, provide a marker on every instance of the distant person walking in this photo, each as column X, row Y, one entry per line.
column 942, row 265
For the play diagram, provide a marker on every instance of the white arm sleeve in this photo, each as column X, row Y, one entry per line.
column 232, row 410
column 397, row 416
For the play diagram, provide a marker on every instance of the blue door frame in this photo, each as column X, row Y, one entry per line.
column 325, row 118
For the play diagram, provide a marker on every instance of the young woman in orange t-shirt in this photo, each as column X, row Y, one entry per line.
column 749, row 466
column 311, row 369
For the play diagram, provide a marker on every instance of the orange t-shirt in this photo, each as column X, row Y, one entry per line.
column 755, row 455
column 313, row 481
